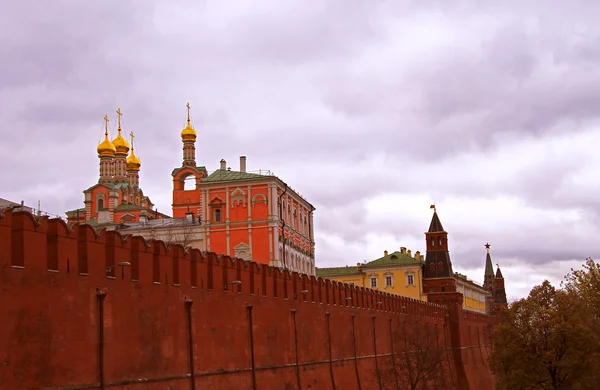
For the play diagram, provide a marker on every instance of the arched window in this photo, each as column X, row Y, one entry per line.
column 432, row 267
column 189, row 183
column 217, row 215
column 432, row 242
column 440, row 241
column 100, row 204
column 440, row 266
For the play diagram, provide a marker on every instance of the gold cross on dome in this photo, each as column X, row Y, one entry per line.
column 106, row 124
column 188, row 111
column 119, row 117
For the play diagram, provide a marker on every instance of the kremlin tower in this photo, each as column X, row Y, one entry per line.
column 494, row 283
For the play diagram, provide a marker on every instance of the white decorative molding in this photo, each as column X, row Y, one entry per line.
column 260, row 199
column 243, row 251
column 238, row 197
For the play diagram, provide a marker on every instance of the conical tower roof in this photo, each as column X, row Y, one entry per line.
column 435, row 226
column 499, row 273
column 489, row 267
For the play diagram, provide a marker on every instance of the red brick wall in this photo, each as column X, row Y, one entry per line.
column 68, row 323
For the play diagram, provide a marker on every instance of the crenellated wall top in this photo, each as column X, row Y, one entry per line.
column 32, row 244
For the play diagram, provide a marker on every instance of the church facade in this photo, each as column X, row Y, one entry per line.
column 117, row 197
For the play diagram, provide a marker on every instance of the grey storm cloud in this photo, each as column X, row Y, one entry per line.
column 347, row 101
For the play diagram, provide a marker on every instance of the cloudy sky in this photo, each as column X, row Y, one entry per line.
column 371, row 109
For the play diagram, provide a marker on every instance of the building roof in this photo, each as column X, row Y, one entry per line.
column 226, row 175
column 128, row 206
column 198, row 169
column 337, row 271
column 81, row 210
column 393, row 259
column 435, row 226
column 157, row 224
column 389, row 260
column 464, row 279
column 221, row 175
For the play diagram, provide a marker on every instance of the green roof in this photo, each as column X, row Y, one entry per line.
column 394, row 258
column 337, row 271
column 198, row 169
column 81, row 210
column 225, row 175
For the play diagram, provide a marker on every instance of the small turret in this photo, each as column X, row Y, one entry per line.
column 188, row 137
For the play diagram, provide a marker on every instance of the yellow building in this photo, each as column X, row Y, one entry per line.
column 396, row 273
column 474, row 295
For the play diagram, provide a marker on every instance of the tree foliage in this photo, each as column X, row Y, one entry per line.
column 549, row 340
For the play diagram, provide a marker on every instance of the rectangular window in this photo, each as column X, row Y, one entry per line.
column 374, row 282
column 388, row 281
column 410, row 280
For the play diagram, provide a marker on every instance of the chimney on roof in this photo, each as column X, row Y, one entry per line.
column 385, row 253
column 409, row 253
column 418, row 255
column 243, row 164
column 223, row 164
column 403, row 250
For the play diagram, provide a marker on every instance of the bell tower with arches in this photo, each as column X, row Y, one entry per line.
column 187, row 200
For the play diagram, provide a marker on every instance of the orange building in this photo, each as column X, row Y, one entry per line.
column 251, row 215
column 117, row 197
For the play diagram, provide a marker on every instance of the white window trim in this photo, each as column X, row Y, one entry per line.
column 385, row 276
column 371, row 281
column 411, row 275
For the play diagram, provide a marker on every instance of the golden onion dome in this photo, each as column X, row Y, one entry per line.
column 133, row 162
column 121, row 144
column 106, row 148
column 188, row 134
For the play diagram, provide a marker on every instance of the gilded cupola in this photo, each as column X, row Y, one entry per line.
column 188, row 134
column 120, row 143
column 106, row 148
column 133, row 162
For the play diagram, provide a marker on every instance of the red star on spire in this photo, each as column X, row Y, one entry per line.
column 487, row 246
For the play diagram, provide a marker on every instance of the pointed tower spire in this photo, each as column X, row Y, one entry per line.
column 488, row 277
column 499, row 273
column 499, row 289
column 435, row 225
